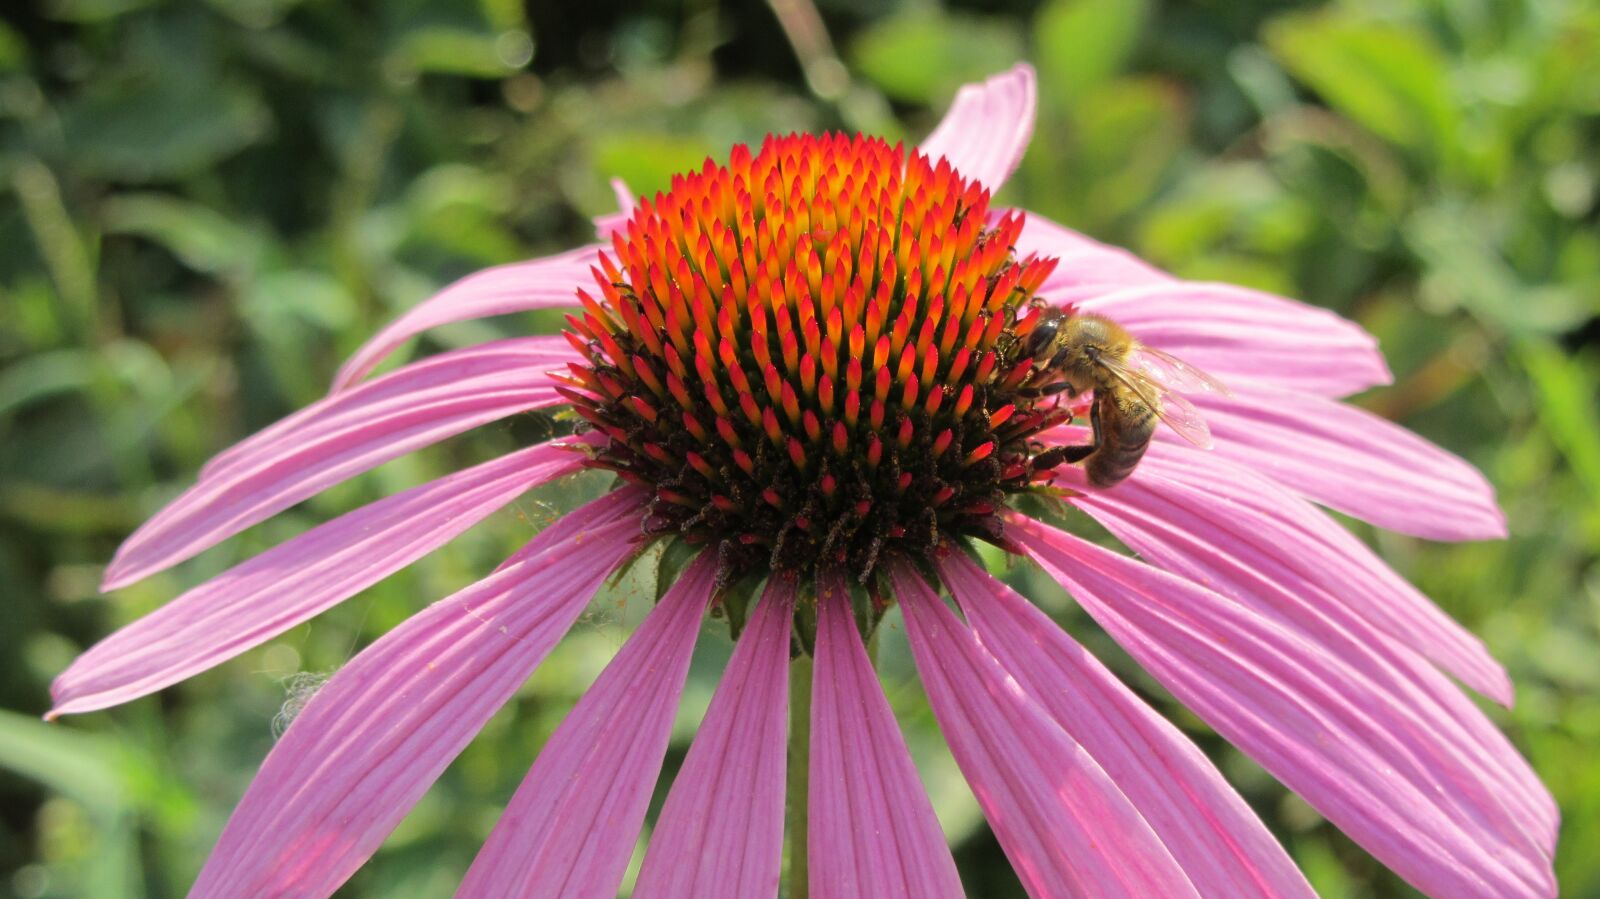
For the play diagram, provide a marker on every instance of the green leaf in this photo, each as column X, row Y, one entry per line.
column 1465, row 268
column 459, row 51
column 1081, row 43
column 277, row 299
column 67, row 255
column 87, row 11
column 13, row 49
column 67, row 761
column 648, row 160
column 1196, row 230
column 459, row 208
column 1129, row 132
column 1390, row 79
column 164, row 126
column 42, row 376
column 93, row 772
column 1565, row 391
column 504, row 14
column 923, row 57
column 254, row 13
column 202, row 238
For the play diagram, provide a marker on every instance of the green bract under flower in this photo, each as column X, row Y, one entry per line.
column 813, row 356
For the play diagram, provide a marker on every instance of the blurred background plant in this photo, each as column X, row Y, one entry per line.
column 203, row 205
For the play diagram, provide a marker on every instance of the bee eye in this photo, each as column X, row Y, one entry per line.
column 1041, row 338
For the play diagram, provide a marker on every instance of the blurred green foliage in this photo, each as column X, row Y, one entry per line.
column 203, row 205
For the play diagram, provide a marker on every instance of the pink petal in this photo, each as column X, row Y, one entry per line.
column 1306, row 714
column 1222, row 846
column 1239, row 537
column 617, row 221
column 986, row 130
column 1221, row 509
column 518, row 358
column 1353, row 461
column 571, row 826
column 1065, row 826
column 872, row 829
column 265, row 596
column 1087, row 267
column 1061, row 821
column 1232, row 332
column 518, row 287
column 721, row 830
column 1241, row 336
column 1220, row 525
column 335, row 439
column 369, row 743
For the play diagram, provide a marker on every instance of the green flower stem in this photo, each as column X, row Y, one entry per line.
column 799, row 772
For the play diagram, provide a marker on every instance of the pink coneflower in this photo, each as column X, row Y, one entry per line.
column 810, row 367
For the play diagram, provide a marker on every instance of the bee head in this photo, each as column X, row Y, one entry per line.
column 1083, row 342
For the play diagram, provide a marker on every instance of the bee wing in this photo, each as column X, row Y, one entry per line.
column 1176, row 375
column 1145, row 387
column 1179, row 414
column 1183, row 417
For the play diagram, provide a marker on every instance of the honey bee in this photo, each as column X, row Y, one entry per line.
column 1134, row 386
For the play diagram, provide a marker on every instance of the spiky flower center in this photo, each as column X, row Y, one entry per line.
column 813, row 355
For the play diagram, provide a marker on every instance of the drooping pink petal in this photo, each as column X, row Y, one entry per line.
column 518, row 287
column 1351, row 460
column 336, row 439
column 520, row 357
column 1235, row 333
column 571, row 826
column 1243, row 336
column 1087, row 267
column 721, row 830
column 1222, row 846
column 987, row 128
column 1238, row 535
column 872, row 830
column 1306, row 714
column 1222, row 508
column 606, row 225
column 1063, row 823
column 369, row 743
column 272, row 592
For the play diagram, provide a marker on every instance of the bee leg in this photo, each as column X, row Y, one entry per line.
column 1073, row 454
column 1054, row 456
column 1050, row 458
column 1061, row 455
column 1051, row 389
